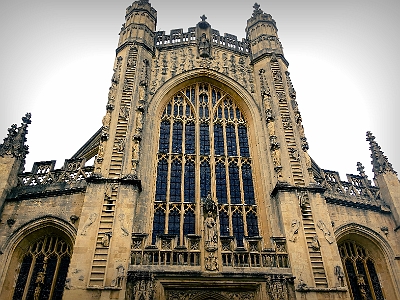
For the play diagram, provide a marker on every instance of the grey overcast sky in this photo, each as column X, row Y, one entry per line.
column 56, row 61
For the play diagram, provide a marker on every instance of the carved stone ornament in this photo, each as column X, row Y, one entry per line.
column 294, row 230
column 211, row 263
column 304, row 198
column 294, row 154
column 339, row 275
column 119, row 279
column 105, row 241
column 315, row 243
column 277, row 287
column 121, row 218
column 14, row 143
column 141, row 286
column 89, row 222
column 380, row 162
column 321, row 225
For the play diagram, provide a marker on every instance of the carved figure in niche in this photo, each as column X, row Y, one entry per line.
column 274, row 142
column 268, row 115
column 142, row 92
column 139, row 121
column 120, row 145
column 303, row 198
column 135, row 150
column 126, row 86
column 233, row 64
column 100, row 154
column 204, row 46
column 131, row 62
column 107, row 120
column 115, row 77
column 120, row 276
column 294, row 154
column 209, row 204
column 321, row 225
column 89, row 222
column 315, row 243
column 211, row 262
column 276, row 158
column 105, row 241
column 124, row 112
column 225, row 59
column 278, row 76
column 111, row 94
column 294, row 230
column 210, row 232
column 340, row 275
column 271, row 128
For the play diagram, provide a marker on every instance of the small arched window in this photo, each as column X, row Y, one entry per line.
column 204, row 148
column 360, row 272
column 43, row 269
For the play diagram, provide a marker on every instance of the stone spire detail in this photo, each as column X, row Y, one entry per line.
column 14, row 143
column 380, row 163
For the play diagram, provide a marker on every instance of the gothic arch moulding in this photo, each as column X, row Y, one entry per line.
column 241, row 95
column 17, row 244
column 378, row 249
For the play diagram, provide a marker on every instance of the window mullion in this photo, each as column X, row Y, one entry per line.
column 53, row 284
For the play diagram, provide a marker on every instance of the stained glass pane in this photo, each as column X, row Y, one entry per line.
column 231, row 140
column 190, row 182
column 252, row 224
column 162, row 176
column 243, row 141
column 189, row 223
column 362, row 274
column 174, row 222
column 48, row 280
column 177, row 137
column 176, row 178
column 218, row 140
column 220, row 181
column 375, row 280
column 205, row 179
column 62, row 275
column 36, row 269
column 248, row 189
column 158, row 224
column 164, row 137
column 190, row 141
column 234, row 183
column 224, row 223
column 238, row 228
column 204, row 139
column 22, row 277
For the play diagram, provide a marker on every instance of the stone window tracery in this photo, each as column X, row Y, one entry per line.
column 204, row 148
column 43, row 269
column 360, row 272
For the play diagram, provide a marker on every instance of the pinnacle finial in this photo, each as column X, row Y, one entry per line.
column 14, row 143
column 257, row 9
column 380, row 163
column 203, row 18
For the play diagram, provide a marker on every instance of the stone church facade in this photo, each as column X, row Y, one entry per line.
column 201, row 186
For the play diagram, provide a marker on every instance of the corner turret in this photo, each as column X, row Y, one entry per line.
column 262, row 33
column 140, row 25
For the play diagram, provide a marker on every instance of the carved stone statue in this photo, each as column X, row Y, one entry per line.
column 321, row 225
column 315, row 243
column 294, row 230
column 210, row 232
column 204, row 46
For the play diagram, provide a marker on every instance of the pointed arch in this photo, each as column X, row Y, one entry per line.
column 40, row 248
column 368, row 258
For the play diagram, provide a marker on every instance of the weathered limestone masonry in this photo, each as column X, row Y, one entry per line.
column 201, row 186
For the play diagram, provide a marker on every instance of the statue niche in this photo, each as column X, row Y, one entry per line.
column 204, row 46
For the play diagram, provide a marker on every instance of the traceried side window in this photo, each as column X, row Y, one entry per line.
column 360, row 272
column 204, row 148
column 43, row 269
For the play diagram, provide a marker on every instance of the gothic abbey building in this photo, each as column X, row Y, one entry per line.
column 201, row 187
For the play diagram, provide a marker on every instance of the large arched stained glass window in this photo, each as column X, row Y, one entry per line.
column 360, row 272
column 204, row 148
column 43, row 269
